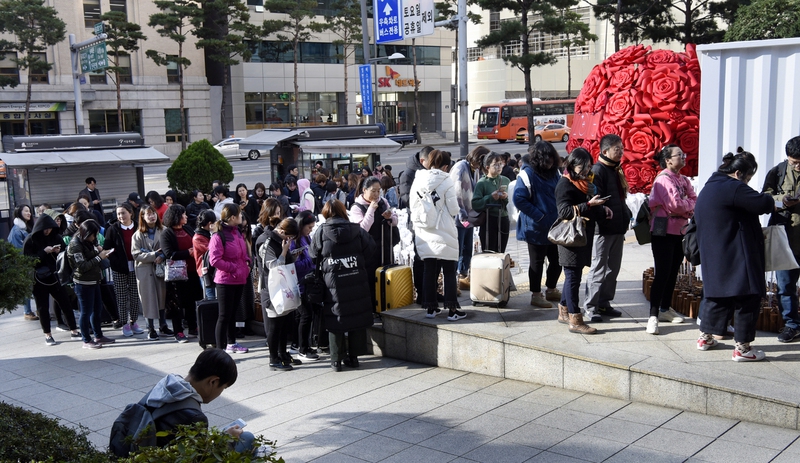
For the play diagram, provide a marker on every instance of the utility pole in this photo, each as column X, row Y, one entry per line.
column 365, row 45
column 463, row 103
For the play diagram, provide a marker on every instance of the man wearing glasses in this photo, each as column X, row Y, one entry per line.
column 601, row 283
column 783, row 183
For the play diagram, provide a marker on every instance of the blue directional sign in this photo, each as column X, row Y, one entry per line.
column 388, row 20
column 365, row 78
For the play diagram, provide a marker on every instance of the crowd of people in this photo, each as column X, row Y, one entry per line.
column 242, row 235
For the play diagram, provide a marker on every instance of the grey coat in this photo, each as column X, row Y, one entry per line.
column 152, row 289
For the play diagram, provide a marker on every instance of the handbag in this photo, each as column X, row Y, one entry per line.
column 176, row 271
column 569, row 232
column 314, row 287
column 284, row 293
column 777, row 252
column 642, row 227
column 659, row 224
column 691, row 249
column 159, row 270
column 476, row 219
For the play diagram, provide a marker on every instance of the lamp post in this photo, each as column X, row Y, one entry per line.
column 374, row 62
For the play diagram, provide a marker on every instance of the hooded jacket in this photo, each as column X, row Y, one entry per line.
column 85, row 262
column 441, row 240
column 342, row 248
column 537, row 206
column 173, row 388
column 36, row 241
column 18, row 233
column 272, row 258
column 230, row 258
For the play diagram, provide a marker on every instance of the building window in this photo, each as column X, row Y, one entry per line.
column 91, row 13
column 173, row 76
column 494, row 21
column 8, row 68
column 107, row 121
column 124, row 65
column 172, row 124
column 275, row 110
column 119, row 5
column 36, row 76
column 97, row 77
column 542, row 42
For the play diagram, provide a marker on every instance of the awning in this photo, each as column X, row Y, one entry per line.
column 266, row 139
column 84, row 157
column 355, row 145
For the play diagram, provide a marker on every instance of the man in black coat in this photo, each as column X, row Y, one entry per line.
column 601, row 282
column 92, row 192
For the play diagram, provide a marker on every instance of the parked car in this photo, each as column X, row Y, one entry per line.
column 229, row 148
column 549, row 132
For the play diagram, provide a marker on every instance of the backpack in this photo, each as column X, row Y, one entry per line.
column 426, row 216
column 318, row 201
column 135, row 427
column 63, row 268
column 209, row 271
column 691, row 249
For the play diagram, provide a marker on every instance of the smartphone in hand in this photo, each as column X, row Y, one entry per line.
column 605, row 198
column 240, row 422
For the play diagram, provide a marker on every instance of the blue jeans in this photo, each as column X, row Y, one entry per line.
column 245, row 442
column 572, row 283
column 27, row 306
column 91, row 303
column 787, row 290
column 210, row 292
column 465, row 237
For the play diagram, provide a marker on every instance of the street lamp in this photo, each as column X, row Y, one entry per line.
column 374, row 62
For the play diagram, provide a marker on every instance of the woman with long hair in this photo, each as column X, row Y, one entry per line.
column 206, row 225
column 23, row 225
column 304, row 265
column 465, row 174
column 156, row 202
column 176, row 242
column 255, row 201
column 118, row 237
column 342, row 248
column 152, row 289
column 491, row 196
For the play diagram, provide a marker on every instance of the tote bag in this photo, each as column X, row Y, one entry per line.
column 778, row 254
column 176, row 271
column 569, row 233
column 284, row 293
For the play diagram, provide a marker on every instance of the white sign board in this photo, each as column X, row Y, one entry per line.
column 417, row 18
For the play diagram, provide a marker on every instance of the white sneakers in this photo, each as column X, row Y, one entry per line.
column 670, row 316
column 652, row 325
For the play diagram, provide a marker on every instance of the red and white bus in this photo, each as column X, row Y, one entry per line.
column 507, row 119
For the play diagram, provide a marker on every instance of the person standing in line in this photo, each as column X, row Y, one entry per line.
column 304, row 265
column 465, row 174
column 118, row 237
column 537, row 212
column 23, row 225
column 206, row 225
column 783, row 183
column 575, row 189
column 176, row 242
column 227, row 252
column 601, row 282
column 136, row 203
column 194, row 208
column 255, row 201
column 86, row 260
column 492, row 190
column 152, row 289
column 731, row 245
column 156, row 202
column 673, row 197
column 94, row 194
column 223, row 197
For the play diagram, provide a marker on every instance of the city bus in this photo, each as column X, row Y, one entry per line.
column 507, row 120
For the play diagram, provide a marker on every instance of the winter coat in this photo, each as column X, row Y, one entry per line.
column 568, row 195
column 342, row 248
column 152, row 289
column 607, row 182
column 169, row 245
column 218, row 207
column 115, row 240
column 36, row 241
column 537, row 206
column 303, row 262
column 441, row 240
column 377, row 227
column 194, row 209
column 464, row 180
column 391, row 196
column 672, row 196
column 170, row 389
column 272, row 258
column 730, row 238
column 18, row 233
column 406, row 179
column 200, row 242
column 782, row 181
column 85, row 261
column 482, row 196
column 231, row 258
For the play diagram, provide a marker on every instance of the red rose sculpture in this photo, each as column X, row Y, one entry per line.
column 650, row 98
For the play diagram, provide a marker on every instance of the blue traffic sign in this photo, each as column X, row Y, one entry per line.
column 365, row 79
column 388, row 21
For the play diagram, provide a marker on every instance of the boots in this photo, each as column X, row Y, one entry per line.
column 576, row 324
column 563, row 315
column 463, row 282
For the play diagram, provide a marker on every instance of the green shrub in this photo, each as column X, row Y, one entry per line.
column 198, row 444
column 28, row 436
column 16, row 276
column 197, row 167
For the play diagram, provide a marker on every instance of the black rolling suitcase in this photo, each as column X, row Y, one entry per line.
column 207, row 314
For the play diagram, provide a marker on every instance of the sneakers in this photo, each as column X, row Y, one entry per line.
column 309, row 355
column 236, row 348
column 788, row 334
column 351, row 362
column 49, row 341
column 126, row 331
column 593, row 315
column 191, row 333
column 280, row 366
column 670, row 316
column 293, row 349
column 553, row 295
column 166, row 331
column 181, row 338
column 104, row 340
column 608, row 311
column 62, row 327
column 152, row 335
column 135, row 328
column 744, row 353
column 31, row 316
column 538, row 300
column 431, row 313
column 706, row 341
column 75, row 335
column 117, row 325
column 456, row 315
column 652, row 325
column 91, row 345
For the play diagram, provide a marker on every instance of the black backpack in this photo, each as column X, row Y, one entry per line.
column 63, row 268
column 690, row 247
column 135, row 427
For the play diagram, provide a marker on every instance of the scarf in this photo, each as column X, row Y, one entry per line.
column 623, row 183
column 582, row 185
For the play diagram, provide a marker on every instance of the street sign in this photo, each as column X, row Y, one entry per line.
column 388, row 21
column 365, row 78
column 94, row 57
column 417, row 18
column 98, row 28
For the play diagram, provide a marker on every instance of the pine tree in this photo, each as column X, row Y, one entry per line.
column 123, row 39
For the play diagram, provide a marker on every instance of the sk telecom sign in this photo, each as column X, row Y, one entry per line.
column 394, row 76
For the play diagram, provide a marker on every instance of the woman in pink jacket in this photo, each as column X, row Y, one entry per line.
column 673, row 197
column 227, row 252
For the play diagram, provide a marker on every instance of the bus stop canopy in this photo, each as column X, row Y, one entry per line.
column 83, row 157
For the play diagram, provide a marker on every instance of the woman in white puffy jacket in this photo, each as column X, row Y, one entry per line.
column 433, row 204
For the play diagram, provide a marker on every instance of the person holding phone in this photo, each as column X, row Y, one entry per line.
column 491, row 196
column 601, row 282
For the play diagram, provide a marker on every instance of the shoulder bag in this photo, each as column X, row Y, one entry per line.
column 569, row 232
column 176, row 271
